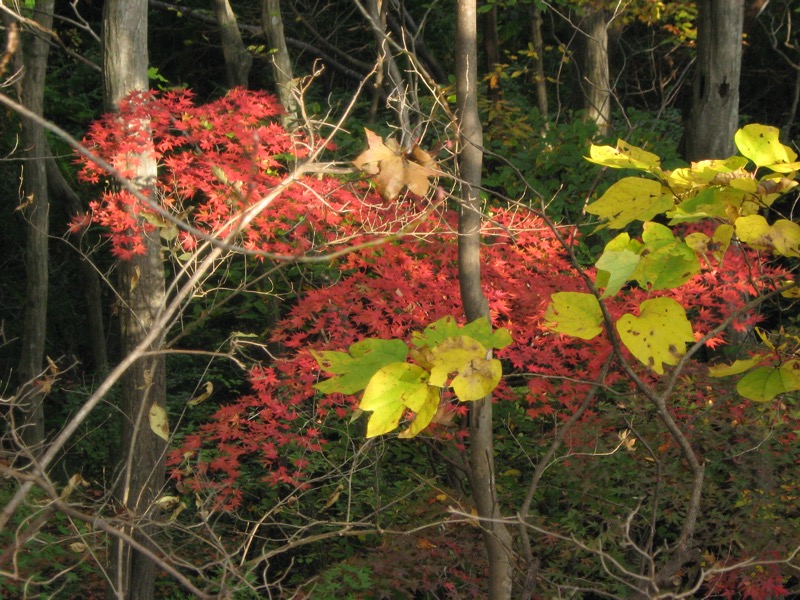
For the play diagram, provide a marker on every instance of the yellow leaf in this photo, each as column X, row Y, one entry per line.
column 209, row 389
column 159, row 422
column 658, row 335
column 761, row 144
column 392, row 390
column 631, row 199
column 753, row 230
column 574, row 313
column 625, row 156
column 739, row 366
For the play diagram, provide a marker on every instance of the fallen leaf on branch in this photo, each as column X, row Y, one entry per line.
column 392, row 169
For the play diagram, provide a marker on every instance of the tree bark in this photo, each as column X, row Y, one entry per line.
column 237, row 59
column 715, row 103
column 470, row 157
column 31, row 396
column 595, row 74
column 272, row 23
column 394, row 83
column 141, row 291
column 540, row 81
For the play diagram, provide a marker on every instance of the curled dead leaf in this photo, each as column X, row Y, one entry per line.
column 392, row 169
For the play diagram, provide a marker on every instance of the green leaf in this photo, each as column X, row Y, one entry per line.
column 762, row 145
column 625, row 156
column 739, row 366
column 391, row 390
column 666, row 261
column 476, row 376
column 356, row 369
column 764, row 383
column 631, row 199
column 618, row 261
column 446, row 327
column 574, row 313
column 712, row 202
column 658, row 335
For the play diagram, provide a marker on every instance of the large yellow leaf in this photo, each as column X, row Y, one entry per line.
column 393, row 389
column 658, row 335
column 574, row 313
column 476, row 375
column 762, row 145
column 631, row 199
column 625, row 156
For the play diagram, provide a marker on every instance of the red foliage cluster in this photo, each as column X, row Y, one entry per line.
column 401, row 287
column 216, row 161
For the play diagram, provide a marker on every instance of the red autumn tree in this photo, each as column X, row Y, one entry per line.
column 219, row 161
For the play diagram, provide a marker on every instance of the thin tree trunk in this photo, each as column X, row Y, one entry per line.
column 595, row 75
column 36, row 49
column 470, row 156
column 395, row 85
column 90, row 281
column 272, row 23
column 540, row 81
column 142, row 293
column 237, row 59
column 715, row 102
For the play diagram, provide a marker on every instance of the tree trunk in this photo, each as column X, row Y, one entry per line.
column 540, row 81
column 237, row 59
column 36, row 49
column 393, row 80
column 715, row 102
column 142, row 297
column 595, row 77
column 90, row 280
column 272, row 23
column 470, row 156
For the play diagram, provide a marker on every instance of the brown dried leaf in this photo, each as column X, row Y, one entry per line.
column 393, row 170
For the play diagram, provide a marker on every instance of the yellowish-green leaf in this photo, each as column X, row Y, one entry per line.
column 476, row 375
column 659, row 335
column 790, row 372
column 159, row 422
column 754, row 231
column 739, row 366
column 698, row 242
column 721, row 240
column 446, row 327
column 618, row 261
column 574, row 313
column 631, row 199
column 712, row 202
column 477, row 379
column 666, row 261
column 424, row 415
column 451, row 355
column 209, row 389
column 762, row 145
column 391, row 390
column 356, row 368
column 625, row 156
column 702, row 173
column 764, row 383
column 785, row 236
